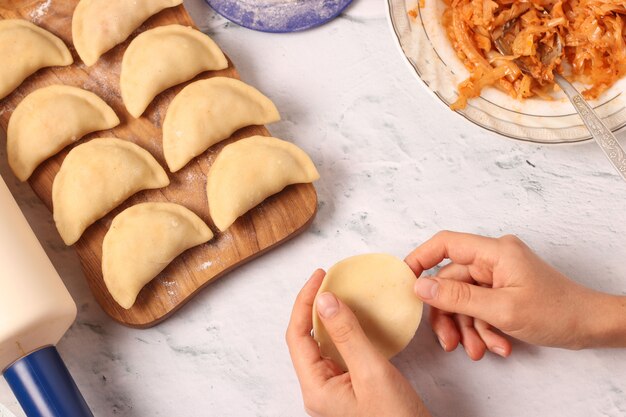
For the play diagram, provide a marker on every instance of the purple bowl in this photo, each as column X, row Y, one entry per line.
column 279, row 16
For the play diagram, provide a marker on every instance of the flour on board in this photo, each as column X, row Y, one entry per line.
column 169, row 285
column 192, row 176
column 40, row 10
column 205, row 265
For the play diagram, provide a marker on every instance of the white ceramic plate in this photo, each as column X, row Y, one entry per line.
column 425, row 46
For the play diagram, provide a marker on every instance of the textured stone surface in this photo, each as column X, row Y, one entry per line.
column 396, row 167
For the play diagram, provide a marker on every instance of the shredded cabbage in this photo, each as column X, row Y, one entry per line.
column 592, row 32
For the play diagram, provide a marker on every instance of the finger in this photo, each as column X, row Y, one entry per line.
column 460, row 297
column 471, row 341
column 347, row 335
column 302, row 348
column 461, row 248
column 455, row 271
column 448, row 328
column 465, row 273
column 301, row 321
column 445, row 329
column 495, row 342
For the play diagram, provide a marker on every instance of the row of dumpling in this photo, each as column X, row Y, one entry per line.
column 100, row 175
column 204, row 113
column 97, row 27
column 150, row 65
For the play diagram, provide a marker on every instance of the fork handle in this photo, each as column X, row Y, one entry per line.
column 602, row 134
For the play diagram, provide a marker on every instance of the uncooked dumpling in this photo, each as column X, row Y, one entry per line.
column 96, row 177
column 208, row 111
column 100, row 25
column 25, row 48
column 161, row 58
column 248, row 171
column 378, row 288
column 48, row 120
column 142, row 241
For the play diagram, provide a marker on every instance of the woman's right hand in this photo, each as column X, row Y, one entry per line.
column 501, row 283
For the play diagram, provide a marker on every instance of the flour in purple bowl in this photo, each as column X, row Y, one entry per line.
column 279, row 16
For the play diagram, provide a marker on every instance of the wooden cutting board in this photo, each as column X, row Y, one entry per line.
column 278, row 219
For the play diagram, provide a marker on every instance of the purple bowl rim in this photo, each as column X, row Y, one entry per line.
column 344, row 5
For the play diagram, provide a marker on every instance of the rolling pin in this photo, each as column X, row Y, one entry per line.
column 35, row 312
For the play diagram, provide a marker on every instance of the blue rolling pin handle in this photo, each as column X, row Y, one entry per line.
column 44, row 386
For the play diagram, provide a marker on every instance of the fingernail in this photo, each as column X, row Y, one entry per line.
column 327, row 305
column 426, row 288
column 443, row 345
column 499, row 351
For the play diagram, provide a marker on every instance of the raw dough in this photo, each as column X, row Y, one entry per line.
column 248, row 171
column 25, row 48
column 208, row 111
column 99, row 25
column 142, row 241
column 35, row 132
column 379, row 289
column 163, row 57
column 96, row 177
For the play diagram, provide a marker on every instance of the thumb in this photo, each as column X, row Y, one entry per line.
column 346, row 333
column 459, row 297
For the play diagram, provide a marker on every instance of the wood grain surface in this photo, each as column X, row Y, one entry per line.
column 276, row 220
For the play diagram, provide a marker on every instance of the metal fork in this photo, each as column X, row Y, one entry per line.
column 599, row 131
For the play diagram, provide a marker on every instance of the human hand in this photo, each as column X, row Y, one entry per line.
column 502, row 283
column 372, row 387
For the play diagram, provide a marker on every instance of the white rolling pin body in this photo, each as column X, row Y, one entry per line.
column 35, row 307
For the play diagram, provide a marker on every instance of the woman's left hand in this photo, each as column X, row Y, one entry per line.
column 372, row 387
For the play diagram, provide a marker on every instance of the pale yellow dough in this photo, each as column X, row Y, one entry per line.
column 248, row 171
column 161, row 58
column 142, row 241
column 99, row 25
column 25, row 48
column 48, row 120
column 209, row 111
column 378, row 288
column 96, row 177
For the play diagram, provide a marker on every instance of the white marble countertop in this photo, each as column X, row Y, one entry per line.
column 396, row 167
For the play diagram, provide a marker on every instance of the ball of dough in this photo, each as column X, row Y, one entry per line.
column 378, row 288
